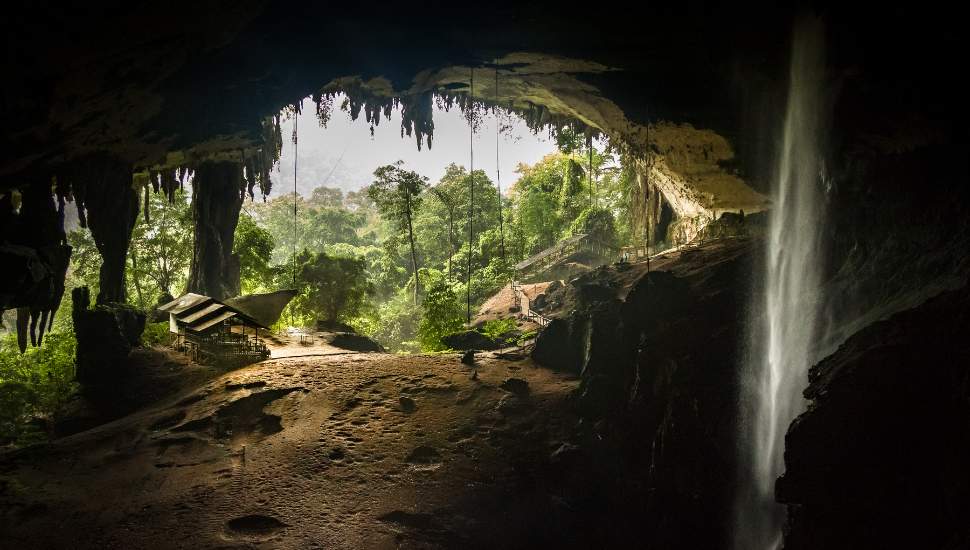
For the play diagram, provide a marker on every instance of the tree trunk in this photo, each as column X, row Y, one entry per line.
column 414, row 258
column 134, row 276
column 218, row 190
column 451, row 246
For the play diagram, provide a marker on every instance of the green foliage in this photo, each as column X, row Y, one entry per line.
column 36, row 383
column 254, row 246
column 596, row 222
column 160, row 250
column 85, row 261
column 397, row 194
column 497, row 327
column 397, row 321
column 526, row 337
column 331, row 287
column 155, row 334
column 442, row 316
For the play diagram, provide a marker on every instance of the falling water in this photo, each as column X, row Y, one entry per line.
column 784, row 323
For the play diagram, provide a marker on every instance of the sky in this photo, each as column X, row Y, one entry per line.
column 320, row 148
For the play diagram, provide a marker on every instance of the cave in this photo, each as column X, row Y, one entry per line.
column 646, row 449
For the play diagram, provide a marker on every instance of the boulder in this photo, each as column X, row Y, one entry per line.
column 105, row 336
column 469, row 339
column 658, row 377
column 553, row 286
column 591, row 293
column 408, row 405
column 517, row 386
column 334, row 326
column 353, row 342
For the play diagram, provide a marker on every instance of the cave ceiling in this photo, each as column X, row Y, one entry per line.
column 163, row 84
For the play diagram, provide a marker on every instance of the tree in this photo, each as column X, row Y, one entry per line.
column 161, row 247
column 451, row 197
column 331, row 286
column 326, row 197
column 397, row 194
column 442, row 316
column 597, row 223
column 254, row 246
column 331, row 226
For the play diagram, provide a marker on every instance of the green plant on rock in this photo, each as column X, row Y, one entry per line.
column 497, row 327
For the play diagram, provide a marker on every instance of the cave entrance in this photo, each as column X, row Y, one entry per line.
column 663, row 223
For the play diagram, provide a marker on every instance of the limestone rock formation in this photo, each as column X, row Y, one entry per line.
column 217, row 198
column 658, row 366
column 105, row 336
column 882, row 457
column 469, row 340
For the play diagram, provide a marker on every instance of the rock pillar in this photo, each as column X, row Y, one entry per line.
column 108, row 205
column 218, row 190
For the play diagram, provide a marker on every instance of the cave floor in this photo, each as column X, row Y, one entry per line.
column 315, row 451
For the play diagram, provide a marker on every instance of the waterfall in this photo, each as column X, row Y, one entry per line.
column 784, row 319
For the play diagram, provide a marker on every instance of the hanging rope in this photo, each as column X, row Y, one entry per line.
column 589, row 144
column 296, row 119
column 498, row 174
column 471, row 207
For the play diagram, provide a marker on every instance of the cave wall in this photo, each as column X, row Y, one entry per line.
column 658, row 368
column 881, row 459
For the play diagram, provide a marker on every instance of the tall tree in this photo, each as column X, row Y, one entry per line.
column 331, row 286
column 161, row 246
column 451, row 197
column 397, row 194
column 254, row 246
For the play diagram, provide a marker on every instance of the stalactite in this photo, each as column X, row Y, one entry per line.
column 417, row 109
column 34, row 256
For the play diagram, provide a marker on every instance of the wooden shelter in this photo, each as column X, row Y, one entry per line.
column 202, row 327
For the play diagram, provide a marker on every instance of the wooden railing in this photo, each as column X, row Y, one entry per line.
column 525, row 311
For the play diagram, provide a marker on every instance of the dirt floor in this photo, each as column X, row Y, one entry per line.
column 320, row 447
column 325, row 450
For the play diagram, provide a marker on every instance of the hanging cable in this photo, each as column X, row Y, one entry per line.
column 296, row 119
column 589, row 143
column 498, row 174
column 471, row 207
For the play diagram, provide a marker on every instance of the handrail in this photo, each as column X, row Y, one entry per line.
column 527, row 312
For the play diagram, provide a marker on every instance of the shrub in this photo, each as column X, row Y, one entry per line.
column 497, row 327
column 35, row 384
column 156, row 334
column 442, row 316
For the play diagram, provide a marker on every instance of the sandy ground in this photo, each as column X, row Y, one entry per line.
column 305, row 452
